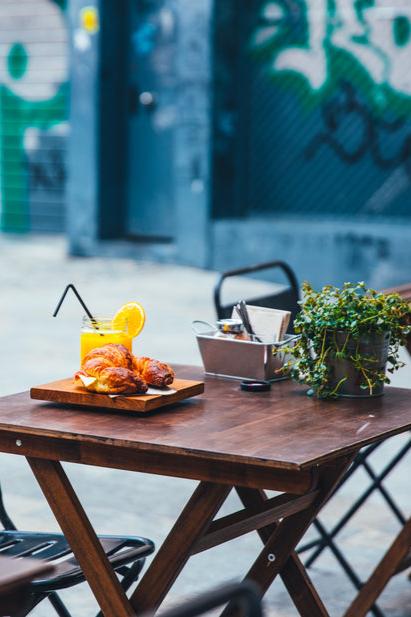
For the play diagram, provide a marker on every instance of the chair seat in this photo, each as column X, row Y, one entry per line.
column 54, row 548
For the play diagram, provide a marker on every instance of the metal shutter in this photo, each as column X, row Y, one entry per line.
column 33, row 114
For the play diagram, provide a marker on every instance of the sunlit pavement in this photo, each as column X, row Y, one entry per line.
column 37, row 348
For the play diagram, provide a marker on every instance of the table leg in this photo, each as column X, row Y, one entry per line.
column 178, row 546
column 82, row 538
column 287, row 534
column 382, row 574
column 277, row 557
column 294, row 575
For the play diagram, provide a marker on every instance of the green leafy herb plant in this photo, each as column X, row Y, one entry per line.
column 337, row 328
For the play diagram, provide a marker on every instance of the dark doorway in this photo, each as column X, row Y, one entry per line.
column 152, row 117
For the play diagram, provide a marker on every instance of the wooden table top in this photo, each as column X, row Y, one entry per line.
column 281, row 429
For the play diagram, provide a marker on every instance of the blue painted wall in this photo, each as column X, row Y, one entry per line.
column 291, row 136
column 312, row 149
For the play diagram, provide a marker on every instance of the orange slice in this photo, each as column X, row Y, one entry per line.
column 131, row 315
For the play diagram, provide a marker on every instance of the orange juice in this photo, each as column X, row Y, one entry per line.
column 101, row 333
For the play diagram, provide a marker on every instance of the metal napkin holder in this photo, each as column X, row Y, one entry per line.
column 238, row 359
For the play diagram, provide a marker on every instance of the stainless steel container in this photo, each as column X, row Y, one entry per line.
column 230, row 326
column 237, row 359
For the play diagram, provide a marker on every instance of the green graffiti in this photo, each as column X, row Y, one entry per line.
column 17, row 61
column 33, row 94
column 311, row 45
column 17, row 115
column 401, row 30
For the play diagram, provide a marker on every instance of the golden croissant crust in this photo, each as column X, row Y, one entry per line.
column 116, row 355
column 114, row 370
column 113, row 380
column 154, row 372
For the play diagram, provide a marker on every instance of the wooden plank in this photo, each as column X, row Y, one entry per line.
column 242, row 522
column 286, row 535
column 67, row 392
column 82, row 538
column 403, row 290
column 405, row 563
column 294, row 575
column 178, row 546
column 191, row 465
column 282, row 428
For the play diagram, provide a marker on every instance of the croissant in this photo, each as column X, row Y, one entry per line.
column 155, row 373
column 112, row 369
column 110, row 379
column 115, row 355
column 111, row 366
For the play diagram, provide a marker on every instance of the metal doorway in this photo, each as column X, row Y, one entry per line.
column 151, row 125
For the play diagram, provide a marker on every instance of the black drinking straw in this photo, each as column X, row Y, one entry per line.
column 80, row 299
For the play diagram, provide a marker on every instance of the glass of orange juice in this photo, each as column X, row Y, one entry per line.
column 101, row 332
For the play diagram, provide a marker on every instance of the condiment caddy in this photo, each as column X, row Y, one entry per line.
column 232, row 349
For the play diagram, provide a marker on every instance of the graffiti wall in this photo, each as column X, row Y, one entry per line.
column 330, row 108
column 33, row 114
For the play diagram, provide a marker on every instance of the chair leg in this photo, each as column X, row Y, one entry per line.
column 58, row 605
column 130, row 577
column 54, row 599
column 358, row 461
column 4, row 517
column 133, row 574
column 385, row 494
column 375, row 485
column 34, row 601
column 374, row 609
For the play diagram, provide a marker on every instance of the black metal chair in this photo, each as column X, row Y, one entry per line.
column 285, row 298
column 126, row 555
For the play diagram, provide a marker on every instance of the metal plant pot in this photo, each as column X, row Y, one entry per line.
column 373, row 348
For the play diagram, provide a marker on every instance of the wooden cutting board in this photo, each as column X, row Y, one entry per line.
column 67, row 392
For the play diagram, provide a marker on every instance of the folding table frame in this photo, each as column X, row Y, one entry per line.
column 281, row 440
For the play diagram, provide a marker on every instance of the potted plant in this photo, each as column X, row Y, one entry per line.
column 349, row 337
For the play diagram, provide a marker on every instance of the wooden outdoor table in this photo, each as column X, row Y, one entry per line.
column 15, row 578
column 280, row 440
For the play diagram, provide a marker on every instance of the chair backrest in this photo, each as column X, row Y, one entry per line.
column 5, row 520
column 284, row 299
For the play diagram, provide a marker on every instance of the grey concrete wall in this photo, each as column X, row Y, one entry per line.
column 319, row 251
column 83, row 211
